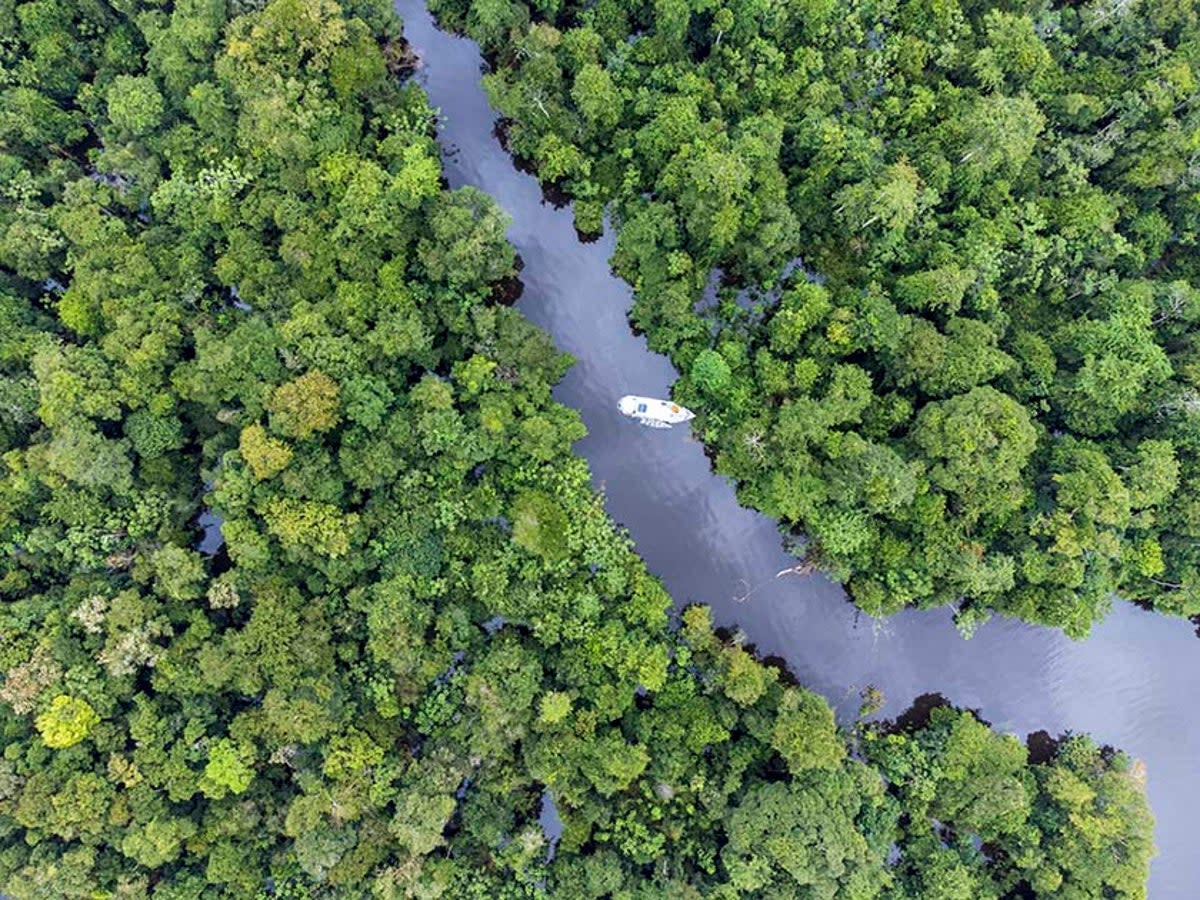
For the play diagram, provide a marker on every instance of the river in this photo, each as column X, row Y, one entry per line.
column 1132, row 684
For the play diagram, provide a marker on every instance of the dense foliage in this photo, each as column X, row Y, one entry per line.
column 981, row 388
column 232, row 278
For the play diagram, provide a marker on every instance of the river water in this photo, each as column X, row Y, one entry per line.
column 1132, row 684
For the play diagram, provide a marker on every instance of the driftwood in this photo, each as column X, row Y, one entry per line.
column 802, row 569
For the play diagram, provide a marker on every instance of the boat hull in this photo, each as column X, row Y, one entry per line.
column 654, row 412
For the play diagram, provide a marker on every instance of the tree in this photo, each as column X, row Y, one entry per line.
column 1102, row 830
column 134, row 104
column 305, row 405
column 710, row 372
column 66, row 722
column 805, row 734
column 466, row 245
column 597, row 97
column 539, row 525
column 227, row 769
column 979, row 444
column 776, row 844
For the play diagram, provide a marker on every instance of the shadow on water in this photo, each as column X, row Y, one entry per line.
column 1131, row 685
column 918, row 714
column 1042, row 746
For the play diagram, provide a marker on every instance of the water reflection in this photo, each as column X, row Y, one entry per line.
column 552, row 825
column 211, row 540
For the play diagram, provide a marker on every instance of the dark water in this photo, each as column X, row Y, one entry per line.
column 552, row 825
column 211, row 538
column 1132, row 684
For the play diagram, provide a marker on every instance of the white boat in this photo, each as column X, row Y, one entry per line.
column 653, row 412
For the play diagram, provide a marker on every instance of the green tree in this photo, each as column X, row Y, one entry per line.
column 66, row 722
column 979, row 444
column 134, row 104
column 227, row 770
column 305, row 405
